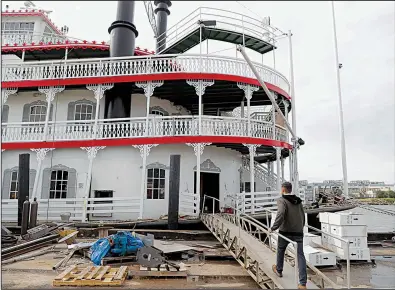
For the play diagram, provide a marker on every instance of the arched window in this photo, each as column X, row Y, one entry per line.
column 10, row 183
column 37, row 113
column 156, row 183
column 157, row 113
column 58, row 182
column 81, row 110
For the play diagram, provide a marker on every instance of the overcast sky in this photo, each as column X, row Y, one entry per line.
column 366, row 49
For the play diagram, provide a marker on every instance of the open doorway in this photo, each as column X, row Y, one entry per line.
column 209, row 185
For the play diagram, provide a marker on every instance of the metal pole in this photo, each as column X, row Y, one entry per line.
column 278, row 157
column 348, row 265
column 342, row 137
column 198, row 152
column 295, row 153
column 263, row 85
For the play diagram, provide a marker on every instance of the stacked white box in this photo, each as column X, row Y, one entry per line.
column 315, row 255
column 319, row 256
column 351, row 227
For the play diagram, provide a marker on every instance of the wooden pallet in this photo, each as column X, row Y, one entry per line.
column 91, row 276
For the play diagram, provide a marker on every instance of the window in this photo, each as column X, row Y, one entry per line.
column 37, row 113
column 19, row 27
column 103, row 194
column 156, row 183
column 58, row 186
column 14, row 185
column 157, row 113
column 83, row 112
column 247, row 186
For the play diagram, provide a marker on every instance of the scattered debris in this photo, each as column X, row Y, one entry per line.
column 28, row 256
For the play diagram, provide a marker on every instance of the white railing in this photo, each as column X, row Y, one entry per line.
column 51, row 209
column 24, row 37
column 136, row 127
column 225, row 20
column 140, row 65
column 188, row 204
column 261, row 172
column 263, row 201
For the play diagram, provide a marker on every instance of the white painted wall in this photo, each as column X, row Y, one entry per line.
column 62, row 99
column 118, row 169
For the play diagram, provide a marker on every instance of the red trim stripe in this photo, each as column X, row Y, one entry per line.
column 142, row 141
column 139, row 78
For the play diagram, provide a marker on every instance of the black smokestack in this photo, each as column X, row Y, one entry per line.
column 161, row 11
column 123, row 35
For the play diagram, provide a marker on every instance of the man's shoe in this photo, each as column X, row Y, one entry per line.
column 274, row 268
column 301, row 287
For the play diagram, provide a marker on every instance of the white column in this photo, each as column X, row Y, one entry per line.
column 252, row 150
column 144, row 152
column 198, row 149
column 278, row 157
column 274, row 122
column 200, row 88
column 5, row 93
column 286, row 106
column 291, row 170
column 92, row 152
column 98, row 91
column 242, row 109
column 149, row 88
column 50, row 93
column 282, row 169
column 248, row 91
column 23, row 55
column 41, row 153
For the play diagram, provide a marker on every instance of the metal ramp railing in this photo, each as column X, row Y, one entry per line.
column 245, row 238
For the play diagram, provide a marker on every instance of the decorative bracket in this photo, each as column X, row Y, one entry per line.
column 6, row 92
column 252, row 148
column 200, row 85
column 248, row 89
column 198, row 147
column 145, row 149
column 50, row 92
column 41, row 153
column 99, row 89
column 149, row 87
column 2, row 150
column 92, row 151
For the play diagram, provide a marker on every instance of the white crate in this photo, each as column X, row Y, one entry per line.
column 310, row 239
column 349, row 231
column 355, row 242
column 356, row 254
column 319, row 256
column 326, row 228
column 324, row 217
column 341, row 219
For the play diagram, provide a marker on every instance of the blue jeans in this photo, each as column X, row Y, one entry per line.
column 282, row 245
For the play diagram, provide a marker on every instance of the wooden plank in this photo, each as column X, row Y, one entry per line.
column 121, row 272
column 84, row 273
column 65, row 272
column 102, row 272
column 94, row 272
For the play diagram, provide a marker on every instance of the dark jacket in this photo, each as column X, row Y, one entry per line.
column 290, row 217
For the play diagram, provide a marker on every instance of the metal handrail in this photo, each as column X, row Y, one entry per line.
column 293, row 251
column 240, row 215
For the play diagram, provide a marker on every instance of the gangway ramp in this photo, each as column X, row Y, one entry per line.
column 242, row 237
column 221, row 25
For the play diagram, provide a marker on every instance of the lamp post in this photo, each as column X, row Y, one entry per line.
column 342, row 138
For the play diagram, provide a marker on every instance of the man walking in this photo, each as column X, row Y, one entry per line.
column 290, row 221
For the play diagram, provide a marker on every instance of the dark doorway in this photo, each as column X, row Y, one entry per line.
column 209, row 185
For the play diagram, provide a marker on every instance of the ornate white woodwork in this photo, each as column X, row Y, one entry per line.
column 200, row 85
column 208, row 166
column 99, row 89
column 92, row 151
column 252, row 148
column 7, row 92
column 109, row 67
column 248, row 89
column 149, row 87
column 41, row 153
column 135, row 128
column 50, row 92
column 198, row 147
column 145, row 149
column 2, row 150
